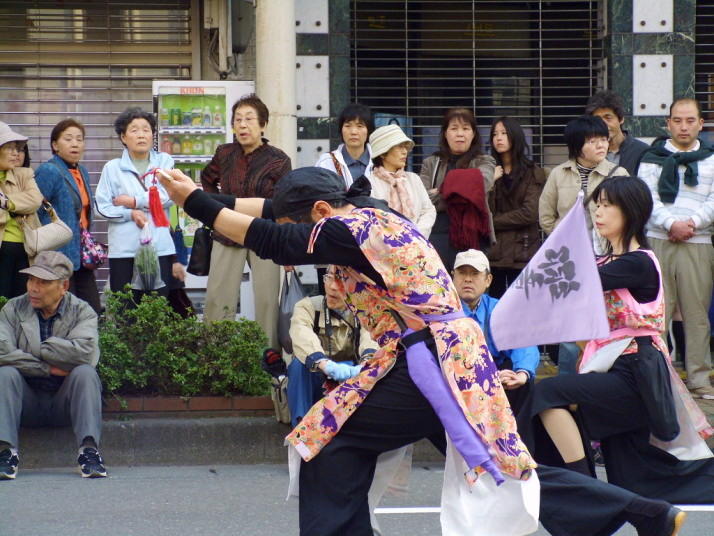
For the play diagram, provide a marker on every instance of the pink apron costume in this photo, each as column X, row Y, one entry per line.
column 629, row 319
column 418, row 286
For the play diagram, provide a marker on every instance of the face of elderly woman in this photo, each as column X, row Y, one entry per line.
column 396, row 158
column 138, row 137
column 70, row 145
column 11, row 155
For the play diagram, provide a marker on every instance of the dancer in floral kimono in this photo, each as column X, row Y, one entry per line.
column 393, row 279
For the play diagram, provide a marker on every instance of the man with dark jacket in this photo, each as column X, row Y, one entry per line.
column 48, row 354
column 623, row 150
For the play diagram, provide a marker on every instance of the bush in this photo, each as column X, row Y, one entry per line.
column 147, row 348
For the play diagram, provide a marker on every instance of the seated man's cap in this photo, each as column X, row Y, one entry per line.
column 474, row 258
column 51, row 266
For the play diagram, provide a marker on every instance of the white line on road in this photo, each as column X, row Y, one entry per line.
column 410, row 510
column 437, row 509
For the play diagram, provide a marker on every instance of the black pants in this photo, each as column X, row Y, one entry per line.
column 83, row 284
column 334, row 484
column 12, row 259
column 122, row 270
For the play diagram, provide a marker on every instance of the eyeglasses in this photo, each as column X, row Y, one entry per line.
column 328, row 278
column 13, row 146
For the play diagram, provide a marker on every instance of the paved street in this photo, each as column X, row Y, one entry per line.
column 246, row 500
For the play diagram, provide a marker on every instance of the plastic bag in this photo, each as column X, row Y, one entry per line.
column 291, row 293
column 147, row 272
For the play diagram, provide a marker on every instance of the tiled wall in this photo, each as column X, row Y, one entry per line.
column 624, row 44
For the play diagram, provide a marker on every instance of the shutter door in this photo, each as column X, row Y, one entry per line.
column 704, row 64
column 89, row 61
column 536, row 61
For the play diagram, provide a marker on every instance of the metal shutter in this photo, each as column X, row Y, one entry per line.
column 89, row 61
column 704, row 62
column 537, row 61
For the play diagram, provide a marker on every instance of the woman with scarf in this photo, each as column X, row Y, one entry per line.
column 402, row 190
column 627, row 395
column 391, row 275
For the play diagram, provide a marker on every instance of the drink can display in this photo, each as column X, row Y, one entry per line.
column 175, row 117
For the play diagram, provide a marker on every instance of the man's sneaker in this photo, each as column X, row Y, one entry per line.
column 705, row 392
column 91, row 464
column 8, row 464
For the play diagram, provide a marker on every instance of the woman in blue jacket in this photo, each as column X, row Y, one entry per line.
column 65, row 184
column 122, row 197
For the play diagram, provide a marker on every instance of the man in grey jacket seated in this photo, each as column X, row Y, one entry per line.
column 48, row 354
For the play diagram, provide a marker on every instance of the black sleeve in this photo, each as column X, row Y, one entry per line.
column 268, row 210
column 634, row 271
column 287, row 245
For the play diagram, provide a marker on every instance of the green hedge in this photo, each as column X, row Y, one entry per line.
column 149, row 349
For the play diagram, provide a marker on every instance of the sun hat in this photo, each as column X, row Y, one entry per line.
column 386, row 137
column 7, row 134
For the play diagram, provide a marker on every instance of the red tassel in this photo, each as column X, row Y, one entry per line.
column 155, row 208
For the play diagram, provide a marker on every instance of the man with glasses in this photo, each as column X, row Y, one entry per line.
column 328, row 343
column 250, row 167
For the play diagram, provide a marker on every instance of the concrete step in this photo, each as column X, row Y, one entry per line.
column 174, row 441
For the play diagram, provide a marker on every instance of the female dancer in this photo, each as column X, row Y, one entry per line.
column 627, row 394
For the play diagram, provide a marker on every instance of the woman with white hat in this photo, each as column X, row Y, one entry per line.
column 19, row 196
column 402, row 190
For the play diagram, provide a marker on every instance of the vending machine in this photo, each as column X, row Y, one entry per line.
column 194, row 118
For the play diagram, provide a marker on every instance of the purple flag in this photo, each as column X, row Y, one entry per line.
column 558, row 296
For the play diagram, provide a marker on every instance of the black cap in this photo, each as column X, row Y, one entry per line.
column 299, row 189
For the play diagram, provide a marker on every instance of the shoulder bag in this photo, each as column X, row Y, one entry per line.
column 45, row 237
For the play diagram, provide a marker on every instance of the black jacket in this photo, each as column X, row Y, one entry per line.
column 630, row 153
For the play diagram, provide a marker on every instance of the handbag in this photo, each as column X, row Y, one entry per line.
column 92, row 253
column 291, row 293
column 200, row 261
column 45, row 237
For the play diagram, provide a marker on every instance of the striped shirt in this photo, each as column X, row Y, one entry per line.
column 584, row 176
column 692, row 202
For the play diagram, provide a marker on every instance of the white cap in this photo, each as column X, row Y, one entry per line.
column 474, row 258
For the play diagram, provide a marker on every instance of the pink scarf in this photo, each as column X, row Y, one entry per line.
column 399, row 198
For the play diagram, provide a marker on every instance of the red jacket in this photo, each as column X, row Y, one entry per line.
column 465, row 196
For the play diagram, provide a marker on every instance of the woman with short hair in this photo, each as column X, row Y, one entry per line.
column 353, row 157
column 64, row 182
column 122, row 197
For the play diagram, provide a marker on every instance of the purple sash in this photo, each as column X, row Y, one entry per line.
column 426, row 374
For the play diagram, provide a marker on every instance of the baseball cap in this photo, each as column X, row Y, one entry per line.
column 474, row 258
column 51, row 266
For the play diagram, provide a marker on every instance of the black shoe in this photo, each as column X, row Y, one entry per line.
column 91, row 464
column 8, row 464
